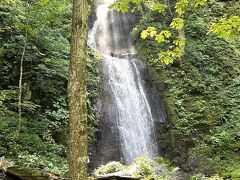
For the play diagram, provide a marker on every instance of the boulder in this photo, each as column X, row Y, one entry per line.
column 26, row 173
column 116, row 176
column 141, row 168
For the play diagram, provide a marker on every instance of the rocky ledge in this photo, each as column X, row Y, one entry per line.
column 141, row 168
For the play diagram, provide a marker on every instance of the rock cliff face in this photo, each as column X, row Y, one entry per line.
column 108, row 139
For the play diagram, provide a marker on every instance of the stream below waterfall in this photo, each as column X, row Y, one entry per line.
column 129, row 106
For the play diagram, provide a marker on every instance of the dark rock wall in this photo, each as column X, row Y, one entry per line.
column 107, row 145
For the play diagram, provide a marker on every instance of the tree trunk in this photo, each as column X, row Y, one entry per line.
column 20, row 85
column 181, row 34
column 77, row 92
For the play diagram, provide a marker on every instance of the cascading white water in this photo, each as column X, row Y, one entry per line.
column 127, row 105
column 132, row 110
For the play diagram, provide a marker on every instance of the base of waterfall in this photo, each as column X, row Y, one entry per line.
column 141, row 168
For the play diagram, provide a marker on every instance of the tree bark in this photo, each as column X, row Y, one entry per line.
column 77, row 92
column 20, row 85
column 181, row 34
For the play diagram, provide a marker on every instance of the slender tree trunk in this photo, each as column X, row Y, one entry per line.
column 77, row 93
column 169, row 8
column 20, row 85
column 181, row 34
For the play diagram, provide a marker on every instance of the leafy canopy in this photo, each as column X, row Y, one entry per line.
column 226, row 28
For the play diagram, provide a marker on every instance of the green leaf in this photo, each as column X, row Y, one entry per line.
column 167, row 34
column 144, row 34
column 177, row 23
column 160, row 38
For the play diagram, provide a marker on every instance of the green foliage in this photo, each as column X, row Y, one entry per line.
column 232, row 172
column 202, row 97
column 52, row 164
column 142, row 167
column 227, row 28
column 110, row 168
column 161, row 160
column 177, row 23
column 200, row 176
column 93, row 89
column 43, row 137
column 145, row 166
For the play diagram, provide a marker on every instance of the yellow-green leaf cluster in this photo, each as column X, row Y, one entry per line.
column 155, row 6
column 181, row 6
column 150, row 31
column 125, row 5
column 168, row 56
column 120, row 6
column 160, row 37
column 177, row 23
column 227, row 28
column 179, row 41
column 196, row 3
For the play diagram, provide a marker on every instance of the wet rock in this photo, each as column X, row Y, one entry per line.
column 3, row 175
column 116, row 177
column 4, row 164
column 26, row 173
column 141, row 168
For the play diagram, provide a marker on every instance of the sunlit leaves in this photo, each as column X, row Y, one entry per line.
column 162, row 35
column 167, row 34
column 179, row 41
column 124, row 5
column 177, row 23
column 120, row 6
column 227, row 28
column 153, row 32
column 165, row 58
column 169, row 56
column 180, row 6
column 196, row 3
column 174, row 52
column 155, row 6
column 144, row 34
column 159, row 37
column 150, row 31
column 8, row 2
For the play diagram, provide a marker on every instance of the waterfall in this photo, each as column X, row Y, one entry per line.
column 127, row 129
column 132, row 111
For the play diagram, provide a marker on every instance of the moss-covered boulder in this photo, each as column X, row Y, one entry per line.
column 141, row 168
column 26, row 173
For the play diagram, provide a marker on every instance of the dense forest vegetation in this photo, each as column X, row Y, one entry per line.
column 202, row 97
column 42, row 140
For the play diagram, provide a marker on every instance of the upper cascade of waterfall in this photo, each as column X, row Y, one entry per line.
column 110, row 32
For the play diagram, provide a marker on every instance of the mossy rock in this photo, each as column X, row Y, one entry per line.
column 26, row 173
column 170, row 108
